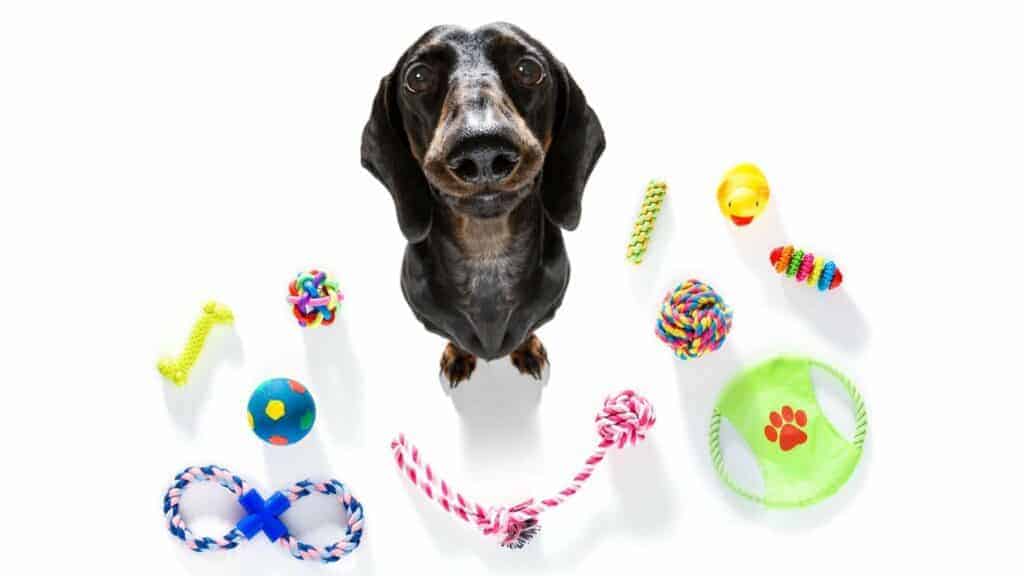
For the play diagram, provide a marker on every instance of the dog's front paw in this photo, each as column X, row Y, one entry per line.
column 530, row 358
column 456, row 365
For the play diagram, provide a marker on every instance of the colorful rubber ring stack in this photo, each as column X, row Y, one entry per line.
column 806, row 267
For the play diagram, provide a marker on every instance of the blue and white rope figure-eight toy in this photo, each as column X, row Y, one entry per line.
column 263, row 515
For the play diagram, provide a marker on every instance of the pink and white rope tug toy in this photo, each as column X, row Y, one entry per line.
column 624, row 419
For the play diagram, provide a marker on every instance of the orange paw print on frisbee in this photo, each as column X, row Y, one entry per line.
column 786, row 428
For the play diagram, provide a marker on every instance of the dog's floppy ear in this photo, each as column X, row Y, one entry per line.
column 577, row 143
column 386, row 154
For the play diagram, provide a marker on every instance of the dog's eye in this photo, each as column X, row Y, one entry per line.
column 528, row 71
column 420, row 78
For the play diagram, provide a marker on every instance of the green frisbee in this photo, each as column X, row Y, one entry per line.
column 801, row 456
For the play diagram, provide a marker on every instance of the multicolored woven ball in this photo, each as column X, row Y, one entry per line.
column 806, row 267
column 315, row 298
column 694, row 320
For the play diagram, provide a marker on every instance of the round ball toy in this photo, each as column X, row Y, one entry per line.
column 281, row 411
column 743, row 194
column 315, row 298
column 694, row 320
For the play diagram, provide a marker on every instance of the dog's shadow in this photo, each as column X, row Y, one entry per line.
column 497, row 407
column 336, row 379
column 184, row 404
column 833, row 314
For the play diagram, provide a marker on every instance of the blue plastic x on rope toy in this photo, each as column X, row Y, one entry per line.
column 263, row 515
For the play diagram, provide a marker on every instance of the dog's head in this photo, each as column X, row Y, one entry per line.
column 479, row 120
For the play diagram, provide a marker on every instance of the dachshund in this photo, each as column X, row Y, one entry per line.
column 485, row 143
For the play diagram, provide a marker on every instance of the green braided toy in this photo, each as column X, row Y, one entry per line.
column 644, row 226
column 176, row 369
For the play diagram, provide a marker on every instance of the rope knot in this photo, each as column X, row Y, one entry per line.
column 624, row 419
column 512, row 525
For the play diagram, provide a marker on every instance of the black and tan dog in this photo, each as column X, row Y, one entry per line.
column 485, row 143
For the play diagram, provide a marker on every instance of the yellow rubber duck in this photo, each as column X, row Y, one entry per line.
column 743, row 194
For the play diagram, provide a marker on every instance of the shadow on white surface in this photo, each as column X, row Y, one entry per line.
column 635, row 512
column 184, row 404
column 289, row 464
column 700, row 382
column 497, row 408
column 643, row 277
column 645, row 503
column 832, row 314
column 336, row 381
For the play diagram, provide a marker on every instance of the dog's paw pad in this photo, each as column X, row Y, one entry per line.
column 786, row 428
column 456, row 365
column 530, row 358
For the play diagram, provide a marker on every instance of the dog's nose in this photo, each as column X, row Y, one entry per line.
column 483, row 160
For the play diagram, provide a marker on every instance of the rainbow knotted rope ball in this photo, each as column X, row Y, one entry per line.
column 315, row 298
column 694, row 320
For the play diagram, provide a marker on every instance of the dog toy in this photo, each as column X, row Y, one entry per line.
column 743, row 194
column 801, row 456
column 644, row 226
column 263, row 515
column 806, row 267
column 694, row 320
column 315, row 298
column 176, row 369
column 281, row 411
column 624, row 419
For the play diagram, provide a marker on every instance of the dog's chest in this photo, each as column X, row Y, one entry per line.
column 490, row 261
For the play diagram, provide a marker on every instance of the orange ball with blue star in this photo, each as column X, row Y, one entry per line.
column 281, row 411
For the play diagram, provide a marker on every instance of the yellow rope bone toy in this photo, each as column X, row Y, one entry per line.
column 176, row 369
column 654, row 197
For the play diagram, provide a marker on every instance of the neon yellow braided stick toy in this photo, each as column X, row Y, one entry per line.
column 176, row 369
column 644, row 225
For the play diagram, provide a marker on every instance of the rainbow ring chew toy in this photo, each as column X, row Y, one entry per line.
column 694, row 320
column 315, row 298
column 624, row 419
column 806, row 267
column 263, row 515
column 177, row 369
column 654, row 197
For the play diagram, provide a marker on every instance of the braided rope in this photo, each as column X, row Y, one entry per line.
column 654, row 197
column 315, row 298
column 694, row 320
column 253, row 524
column 624, row 419
column 859, row 435
column 172, row 513
column 176, row 369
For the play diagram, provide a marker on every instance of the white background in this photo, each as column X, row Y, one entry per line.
column 154, row 155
